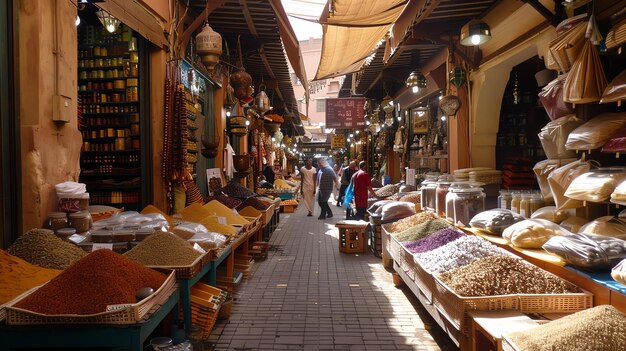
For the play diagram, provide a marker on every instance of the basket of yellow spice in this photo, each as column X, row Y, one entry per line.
column 85, row 293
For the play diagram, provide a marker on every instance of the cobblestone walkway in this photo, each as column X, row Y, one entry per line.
column 308, row 296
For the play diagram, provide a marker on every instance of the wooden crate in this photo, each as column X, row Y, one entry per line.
column 288, row 208
column 352, row 238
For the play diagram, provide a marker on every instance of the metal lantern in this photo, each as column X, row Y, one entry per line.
column 261, row 100
column 209, row 47
column 450, row 104
column 458, row 77
column 109, row 22
column 416, row 81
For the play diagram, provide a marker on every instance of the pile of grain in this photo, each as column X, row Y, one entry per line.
column 256, row 203
column 414, row 197
column 232, row 217
column 421, row 230
column 235, row 189
column 410, row 222
column 602, row 328
column 433, row 241
column 457, row 253
column 17, row 276
column 213, row 224
column 504, row 275
column 164, row 249
column 226, row 200
column 387, row 190
column 44, row 249
column 102, row 278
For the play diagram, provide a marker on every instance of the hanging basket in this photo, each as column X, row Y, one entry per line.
column 272, row 127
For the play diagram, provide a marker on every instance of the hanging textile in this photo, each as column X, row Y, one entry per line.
column 229, row 165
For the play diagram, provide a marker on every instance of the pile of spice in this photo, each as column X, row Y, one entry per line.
column 249, row 211
column 602, row 328
column 421, row 230
column 414, row 197
column 18, row 276
column 433, row 241
column 235, row 189
column 226, row 200
column 256, row 203
column 44, row 249
column 164, row 249
column 100, row 279
column 504, row 275
column 457, row 253
column 212, row 223
column 387, row 190
column 411, row 221
column 220, row 210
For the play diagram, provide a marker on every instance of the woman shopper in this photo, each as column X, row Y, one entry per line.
column 326, row 180
column 308, row 175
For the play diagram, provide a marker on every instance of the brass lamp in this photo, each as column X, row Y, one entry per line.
column 475, row 32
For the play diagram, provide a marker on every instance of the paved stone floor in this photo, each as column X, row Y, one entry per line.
column 308, row 296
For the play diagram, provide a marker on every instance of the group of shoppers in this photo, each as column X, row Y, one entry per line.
column 325, row 179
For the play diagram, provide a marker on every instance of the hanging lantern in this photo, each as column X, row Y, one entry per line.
column 278, row 137
column 416, row 81
column 261, row 100
column 209, row 47
column 109, row 22
column 475, row 32
column 458, row 77
column 450, row 104
column 241, row 81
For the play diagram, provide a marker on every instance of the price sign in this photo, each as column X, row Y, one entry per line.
column 198, row 248
column 101, row 247
column 338, row 141
column 345, row 113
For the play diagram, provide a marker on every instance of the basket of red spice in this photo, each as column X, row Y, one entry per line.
column 101, row 288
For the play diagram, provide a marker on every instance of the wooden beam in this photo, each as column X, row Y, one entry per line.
column 547, row 14
column 248, row 17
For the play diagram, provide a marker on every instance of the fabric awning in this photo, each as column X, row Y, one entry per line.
column 290, row 43
column 403, row 24
column 352, row 31
column 137, row 17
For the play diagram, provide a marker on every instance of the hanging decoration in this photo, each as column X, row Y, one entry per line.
column 278, row 137
column 241, row 81
column 458, row 77
column 209, row 47
column 261, row 100
column 450, row 103
column 109, row 22
column 416, row 81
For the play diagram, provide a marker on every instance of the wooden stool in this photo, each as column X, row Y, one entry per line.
column 352, row 237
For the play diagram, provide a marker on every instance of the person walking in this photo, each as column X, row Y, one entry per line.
column 326, row 180
column 362, row 186
column 308, row 178
column 346, row 176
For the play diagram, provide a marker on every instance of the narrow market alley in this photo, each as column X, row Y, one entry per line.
column 308, row 296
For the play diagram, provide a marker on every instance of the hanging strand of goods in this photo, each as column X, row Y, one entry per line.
column 175, row 131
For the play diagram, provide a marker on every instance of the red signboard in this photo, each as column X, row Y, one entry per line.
column 345, row 113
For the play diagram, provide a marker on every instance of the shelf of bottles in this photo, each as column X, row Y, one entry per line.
column 109, row 103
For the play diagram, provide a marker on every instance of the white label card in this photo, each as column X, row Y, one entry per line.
column 198, row 248
column 100, row 246
column 221, row 220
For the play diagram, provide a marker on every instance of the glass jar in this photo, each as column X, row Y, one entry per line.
column 504, row 199
column 516, row 198
column 536, row 202
column 451, row 195
column 81, row 221
column 467, row 204
column 430, row 179
column 443, row 185
column 65, row 233
column 524, row 205
column 57, row 220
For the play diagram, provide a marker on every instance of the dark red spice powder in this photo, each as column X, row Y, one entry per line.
column 433, row 241
column 99, row 279
column 256, row 203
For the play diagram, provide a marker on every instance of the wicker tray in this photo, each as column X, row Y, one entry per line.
column 455, row 307
column 508, row 345
column 186, row 272
column 131, row 315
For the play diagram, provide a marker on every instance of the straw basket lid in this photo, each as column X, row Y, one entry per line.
column 617, row 35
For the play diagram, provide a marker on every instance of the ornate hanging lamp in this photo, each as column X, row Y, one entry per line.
column 475, row 32
column 109, row 22
column 209, row 47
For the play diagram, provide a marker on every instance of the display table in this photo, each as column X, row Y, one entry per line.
column 86, row 336
column 488, row 327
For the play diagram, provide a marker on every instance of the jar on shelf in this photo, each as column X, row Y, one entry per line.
column 442, row 190
column 504, row 199
column 467, row 204
column 451, row 195
column 81, row 221
column 536, row 202
column 428, row 192
column 57, row 220
column 65, row 233
column 524, row 205
column 516, row 198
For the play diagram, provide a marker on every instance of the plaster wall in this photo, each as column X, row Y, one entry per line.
column 50, row 151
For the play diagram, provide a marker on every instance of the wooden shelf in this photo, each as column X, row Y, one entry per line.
column 110, row 175
column 99, row 68
column 105, row 79
column 105, row 126
column 109, row 103
column 107, row 113
column 127, row 55
column 112, row 152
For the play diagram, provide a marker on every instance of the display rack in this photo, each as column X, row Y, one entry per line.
column 110, row 110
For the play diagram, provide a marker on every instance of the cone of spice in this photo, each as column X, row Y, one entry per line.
column 164, row 249
column 44, row 249
column 98, row 280
column 18, row 276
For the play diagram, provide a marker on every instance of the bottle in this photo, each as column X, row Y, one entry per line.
column 504, row 200
column 524, row 206
column 516, row 198
column 536, row 202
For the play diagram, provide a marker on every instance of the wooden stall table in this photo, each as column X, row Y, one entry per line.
column 83, row 336
column 488, row 327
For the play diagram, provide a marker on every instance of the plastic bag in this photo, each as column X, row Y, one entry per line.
column 596, row 132
column 616, row 90
column 586, row 80
column 607, row 226
column 554, row 136
column 532, row 233
column 378, row 205
column 188, row 230
column 596, row 185
column 573, row 224
column 587, row 251
column 397, row 210
column 543, row 169
column 208, row 240
column 550, row 213
column 619, row 272
column 560, row 179
column 348, row 196
column 551, row 97
column 617, row 143
column 495, row 221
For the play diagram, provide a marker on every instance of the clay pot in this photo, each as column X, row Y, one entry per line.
column 241, row 81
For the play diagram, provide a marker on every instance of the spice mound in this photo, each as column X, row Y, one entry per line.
column 100, row 279
column 256, row 203
column 164, row 249
column 422, row 230
column 602, row 328
column 18, row 276
column 411, row 221
column 387, row 190
column 433, row 241
column 504, row 275
column 457, row 253
column 226, row 200
column 42, row 248
column 235, row 189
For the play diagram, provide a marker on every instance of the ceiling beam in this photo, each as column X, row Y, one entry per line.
column 547, row 14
